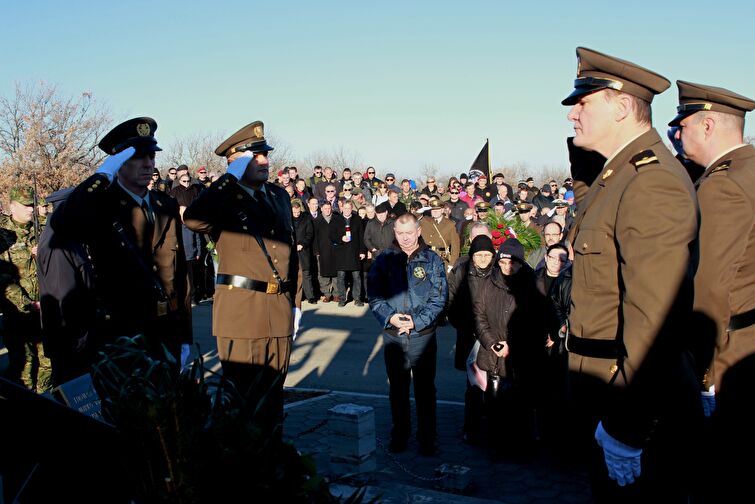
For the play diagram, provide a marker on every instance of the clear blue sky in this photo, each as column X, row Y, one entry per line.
column 403, row 84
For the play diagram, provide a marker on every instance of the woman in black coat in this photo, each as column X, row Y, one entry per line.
column 324, row 249
column 304, row 229
column 512, row 330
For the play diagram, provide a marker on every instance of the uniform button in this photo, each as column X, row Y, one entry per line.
column 272, row 231
column 584, row 245
column 89, row 189
column 275, row 261
column 244, row 228
column 274, row 246
column 238, row 196
column 154, row 268
column 614, row 368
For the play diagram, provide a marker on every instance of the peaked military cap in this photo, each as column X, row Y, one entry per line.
column 597, row 71
column 523, row 207
column 138, row 133
column 482, row 206
column 698, row 97
column 560, row 203
column 23, row 194
column 249, row 138
column 435, row 203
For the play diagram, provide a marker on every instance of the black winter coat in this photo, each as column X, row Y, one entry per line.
column 324, row 247
column 304, row 228
column 347, row 253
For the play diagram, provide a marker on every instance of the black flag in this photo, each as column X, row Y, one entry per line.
column 482, row 163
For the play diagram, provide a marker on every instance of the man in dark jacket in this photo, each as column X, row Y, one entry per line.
column 407, row 290
column 304, row 228
column 347, row 232
column 325, row 252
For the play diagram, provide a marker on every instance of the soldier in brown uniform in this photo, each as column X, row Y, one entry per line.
column 711, row 128
column 258, row 288
column 440, row 234
column 634, row 387
column 135, row 242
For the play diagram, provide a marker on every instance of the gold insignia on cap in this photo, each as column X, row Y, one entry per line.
column 259, row 132
column 142, row 129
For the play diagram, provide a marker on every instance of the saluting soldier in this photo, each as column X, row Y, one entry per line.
column 710, row 124
column 28, row 363
column 258, row 288
column 631, row 291
column 440, row 234
column 135, row 241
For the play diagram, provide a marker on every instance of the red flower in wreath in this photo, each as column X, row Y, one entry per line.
column 500, row 225
column 507, row 233
column 497, row 242
column 496, row 234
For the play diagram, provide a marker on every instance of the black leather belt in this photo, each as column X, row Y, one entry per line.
column 746, row 319
column 243, row 282
column 599, row 349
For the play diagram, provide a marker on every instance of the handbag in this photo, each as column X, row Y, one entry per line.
column 475, row 375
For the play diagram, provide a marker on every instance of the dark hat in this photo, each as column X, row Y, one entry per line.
column 249, row 138
column 511, row 249
column 530, row 179
column 383, row 207
column 597, row 71
column 545, row 188
column 498, row 175
column 23, row 194
column 463, row 175
column 500, row 203
column 182, row 168
column 435, row 203
column 482, row 206
column 390, row 175
column 523, row 207
column 155, row 172
column 138, row 133
column 481, row 243
column 698, row 97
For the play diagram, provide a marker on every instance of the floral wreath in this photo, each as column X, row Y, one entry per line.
column 504, row 227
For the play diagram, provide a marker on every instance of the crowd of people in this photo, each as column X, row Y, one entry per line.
column 621, row 333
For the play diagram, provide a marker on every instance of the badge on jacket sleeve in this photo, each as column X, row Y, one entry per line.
column 419, row 273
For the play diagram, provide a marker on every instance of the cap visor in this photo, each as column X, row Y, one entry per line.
column 578, row 93
column 680, row 117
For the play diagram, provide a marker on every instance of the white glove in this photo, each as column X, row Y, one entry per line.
column 112, row 164
column 238, row 167
column 297, row 320
column 185, row 351
column 623, row 461
column 709, row 401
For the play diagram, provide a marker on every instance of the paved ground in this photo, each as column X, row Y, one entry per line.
column 339, row 354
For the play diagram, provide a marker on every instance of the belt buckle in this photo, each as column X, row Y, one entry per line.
column 272, row 288
column 162, row 308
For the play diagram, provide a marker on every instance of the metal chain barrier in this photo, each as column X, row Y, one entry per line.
column 401, row 466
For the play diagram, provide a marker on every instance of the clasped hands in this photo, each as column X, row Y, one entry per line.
column 403, row 321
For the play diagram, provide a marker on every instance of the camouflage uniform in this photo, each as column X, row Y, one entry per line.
column 20, row 304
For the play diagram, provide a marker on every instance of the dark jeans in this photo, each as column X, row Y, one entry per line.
column 408, row 358
column 356, row 285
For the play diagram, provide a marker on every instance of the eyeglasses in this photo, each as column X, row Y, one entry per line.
column 390, row 179
column 185, row 180
column 559, row 258
column 454, row 192
column 331, row 190
column 171, row 173
column 370, row 173
column 552, row 235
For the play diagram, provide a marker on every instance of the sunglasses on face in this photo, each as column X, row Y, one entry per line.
column 185, row 180
column 370, row 173
column 390, row 179
column 454, row 192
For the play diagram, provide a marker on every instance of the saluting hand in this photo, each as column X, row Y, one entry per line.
column 238, row 167
column 112, row 164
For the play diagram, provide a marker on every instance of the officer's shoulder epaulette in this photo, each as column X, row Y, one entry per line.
column 644, row 158
column 720, row 167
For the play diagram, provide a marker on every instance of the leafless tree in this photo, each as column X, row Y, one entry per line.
column 48, row 137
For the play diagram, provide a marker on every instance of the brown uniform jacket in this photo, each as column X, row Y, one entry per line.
column 232, row 218
column 632, row 238
column 725, row 279
column 127, row 297
column 441, row 235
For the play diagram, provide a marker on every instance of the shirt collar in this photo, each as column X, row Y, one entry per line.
column 136, row 197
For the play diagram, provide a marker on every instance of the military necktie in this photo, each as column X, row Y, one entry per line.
column 147, row 212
